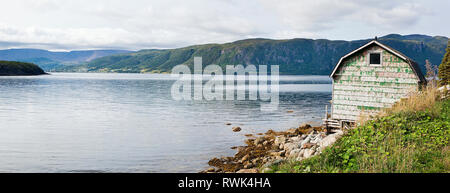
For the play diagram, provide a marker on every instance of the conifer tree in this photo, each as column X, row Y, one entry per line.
column 444, row 68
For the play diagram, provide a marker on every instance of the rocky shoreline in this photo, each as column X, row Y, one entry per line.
column 264, row 150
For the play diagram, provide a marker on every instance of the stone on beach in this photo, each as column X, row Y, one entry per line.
column 308, row 145
column 277, row 153
column 248, row 165
column 329, row 140
column 295, row 153
column 245, row 158
column 273, row 163
column 305, row 126
column 259, row 140
column 316, row 139
column 267, row 170
column 237, row 129
column 247, row 171
column 307, row 140
column 290, row 146
column 295, row 139
column 279, row 140
column 308, row 153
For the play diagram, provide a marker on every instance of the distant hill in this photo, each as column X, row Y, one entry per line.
column 295, row 56
column 51, row 61
column 10, row 68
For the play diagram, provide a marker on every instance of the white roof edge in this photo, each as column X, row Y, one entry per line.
column 362, row 47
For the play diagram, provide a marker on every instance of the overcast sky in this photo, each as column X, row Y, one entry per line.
column 138, row 24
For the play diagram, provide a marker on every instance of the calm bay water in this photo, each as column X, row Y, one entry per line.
column 129, row 123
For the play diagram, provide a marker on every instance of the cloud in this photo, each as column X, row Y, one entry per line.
column 399, row 16
column 137, row 24
column 318, row 15
column 76, row 37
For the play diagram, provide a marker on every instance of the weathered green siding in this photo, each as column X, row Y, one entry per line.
column 362, row 88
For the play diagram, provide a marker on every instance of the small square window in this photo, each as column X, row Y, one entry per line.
column 375, row 58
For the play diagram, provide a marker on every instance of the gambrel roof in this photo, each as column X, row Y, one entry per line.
column 411, row 62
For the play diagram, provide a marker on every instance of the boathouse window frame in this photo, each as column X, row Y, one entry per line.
column 380, row 55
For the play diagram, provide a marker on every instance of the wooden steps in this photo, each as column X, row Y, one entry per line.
column 332, row 123
column 339, row 124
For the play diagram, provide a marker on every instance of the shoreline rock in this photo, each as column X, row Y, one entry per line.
column 273, row 148
column 237, row 129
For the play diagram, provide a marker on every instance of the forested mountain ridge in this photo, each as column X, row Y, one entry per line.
column 295, row 56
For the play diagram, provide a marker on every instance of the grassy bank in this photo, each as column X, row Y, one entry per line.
column 411, row 137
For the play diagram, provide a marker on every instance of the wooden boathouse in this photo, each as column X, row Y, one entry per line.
column 368, row 79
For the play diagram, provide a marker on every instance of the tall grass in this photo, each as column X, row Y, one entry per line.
column 422, row 100
column 416, row 101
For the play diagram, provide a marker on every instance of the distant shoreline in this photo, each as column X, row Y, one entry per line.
column 13, row 68
column 26, row 74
